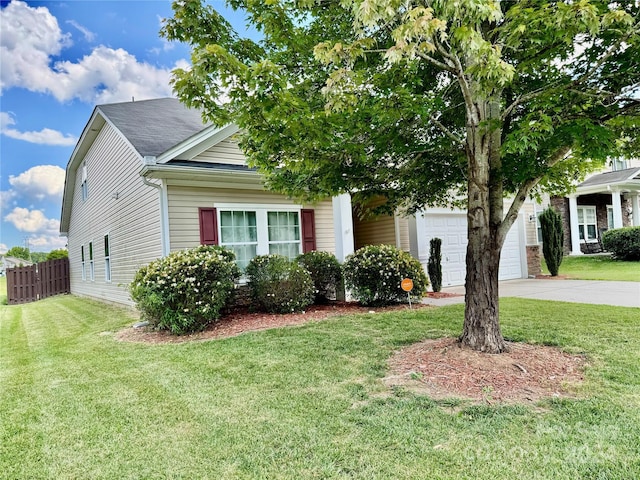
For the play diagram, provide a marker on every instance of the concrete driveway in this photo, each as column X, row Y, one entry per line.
column 624, row 294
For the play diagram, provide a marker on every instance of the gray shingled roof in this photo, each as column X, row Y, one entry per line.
column 610, row 178
column 154, row 126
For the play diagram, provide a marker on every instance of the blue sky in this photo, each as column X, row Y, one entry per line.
column 57, row 61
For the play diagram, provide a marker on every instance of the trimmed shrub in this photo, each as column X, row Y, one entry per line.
column 434, row 264
column 278, row 285
column 623, row 243
column 374, row 273
column 552, row 239
column 186, row 290
column 326, row 273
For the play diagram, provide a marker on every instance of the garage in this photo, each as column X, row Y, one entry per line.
column 452, row 229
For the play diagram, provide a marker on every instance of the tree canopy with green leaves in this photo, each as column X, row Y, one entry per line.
column 19, row 252
column 432, row 102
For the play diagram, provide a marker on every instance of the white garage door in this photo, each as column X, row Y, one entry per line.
column 452, row 229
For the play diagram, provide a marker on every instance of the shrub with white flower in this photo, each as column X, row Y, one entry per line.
column 186, row 290
column 326, row 273
column 373, row 275
column 278, row 285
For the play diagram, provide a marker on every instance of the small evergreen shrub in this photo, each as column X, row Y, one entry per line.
column 278, row 285
column 186, row 290
column 434, row 264
column 326, row 273
column 374, row 273
column 623, row 243
column 552, row 239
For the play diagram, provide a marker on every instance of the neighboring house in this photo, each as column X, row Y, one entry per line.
column 12, row 262
column 606, row 200
column 148, row 177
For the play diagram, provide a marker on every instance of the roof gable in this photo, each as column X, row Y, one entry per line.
column 154, row 126
column 160, row 129
column 610, row 178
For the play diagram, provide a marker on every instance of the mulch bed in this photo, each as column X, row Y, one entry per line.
column 242, row 320
column 442, row 368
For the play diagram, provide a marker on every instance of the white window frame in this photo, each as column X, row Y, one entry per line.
column 585, row 224
column 107, row 258
column 538, row 226
column 261, row 210
column 610, row 217
column 92, row 269
column 82, row 262
column 83, row 184
column 619, row 164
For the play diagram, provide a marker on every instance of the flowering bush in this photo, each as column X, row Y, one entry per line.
column 325, row 271
column 374, row 273
column 186, row 290
column 278, row 285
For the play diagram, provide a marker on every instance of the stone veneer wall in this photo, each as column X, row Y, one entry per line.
column 533, row 260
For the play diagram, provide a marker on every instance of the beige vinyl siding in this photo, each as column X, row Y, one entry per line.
column 132, row 220
column 226, row 151
column 184, row 230
column 381, row 230
column 403, row 233
column 531, row 226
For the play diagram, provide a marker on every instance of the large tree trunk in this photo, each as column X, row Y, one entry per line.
column 485, row 232
column 481, row 330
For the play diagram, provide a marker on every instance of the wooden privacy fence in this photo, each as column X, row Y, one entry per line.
column 35, row 282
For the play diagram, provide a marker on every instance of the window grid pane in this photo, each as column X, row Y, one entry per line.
column 239, row 232
column 284, row 233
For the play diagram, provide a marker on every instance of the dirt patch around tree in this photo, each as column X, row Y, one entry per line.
column 440, row 368
column 443, row 369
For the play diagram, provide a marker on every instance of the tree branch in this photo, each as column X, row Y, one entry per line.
column 437, row 63
column 446, row 131
column 525, row 189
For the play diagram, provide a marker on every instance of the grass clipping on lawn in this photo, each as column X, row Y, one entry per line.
column 439, row 368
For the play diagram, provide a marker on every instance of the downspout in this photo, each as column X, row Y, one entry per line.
column 164, row 214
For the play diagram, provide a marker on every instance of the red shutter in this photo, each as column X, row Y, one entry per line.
column 208, row 226
column 308, row 230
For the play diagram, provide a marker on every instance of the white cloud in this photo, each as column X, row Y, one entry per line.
column 6, row 198
column 46, row 243
column 32, row 221
column 46, row 136
column 3, row 248
column 108, row 75
column 6, row 120
column 40, row 182
column 89, row 36
column 31, row 38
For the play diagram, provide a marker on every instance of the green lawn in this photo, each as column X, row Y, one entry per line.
column 302, row 402
column 598, row 267
column 3, row 290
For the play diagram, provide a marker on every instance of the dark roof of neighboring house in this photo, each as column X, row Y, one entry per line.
column 154, row 126
column 612, row 177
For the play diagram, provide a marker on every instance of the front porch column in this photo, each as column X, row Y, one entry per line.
column 573, row 223
column 343, row 226
column 617, row 209
column 635, row 209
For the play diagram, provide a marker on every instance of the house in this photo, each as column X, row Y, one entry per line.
column 148, row 177
column 605, row 200
column 12, row 262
